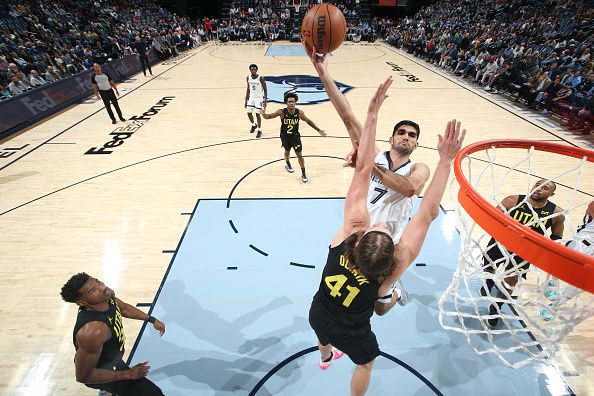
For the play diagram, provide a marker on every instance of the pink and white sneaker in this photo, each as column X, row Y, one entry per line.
column 336, row 354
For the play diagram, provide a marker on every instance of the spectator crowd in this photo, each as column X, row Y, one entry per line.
column 42, row 42
column 536, row 52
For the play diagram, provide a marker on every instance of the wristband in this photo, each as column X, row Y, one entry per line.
column 554, row 237
column 151, row 319
column 385, row 299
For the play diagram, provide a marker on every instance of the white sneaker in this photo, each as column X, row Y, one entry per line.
column 304, row 178
column 402, row 293
column 289, row 168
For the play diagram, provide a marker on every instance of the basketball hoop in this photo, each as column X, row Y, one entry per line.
column 523, row 336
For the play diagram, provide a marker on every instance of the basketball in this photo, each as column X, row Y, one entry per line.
column 323, row 27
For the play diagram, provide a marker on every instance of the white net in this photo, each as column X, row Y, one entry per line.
column 497, row 300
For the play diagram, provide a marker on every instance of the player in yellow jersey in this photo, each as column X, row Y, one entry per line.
column 289, row 132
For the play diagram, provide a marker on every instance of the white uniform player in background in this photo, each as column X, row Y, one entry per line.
column 582, row 241
column 255, row 98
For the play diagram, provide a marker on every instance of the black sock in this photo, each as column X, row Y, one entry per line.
column 329, row 359
column 490, row 284
column 303, row 171
column 492, row 309
column 288, row 163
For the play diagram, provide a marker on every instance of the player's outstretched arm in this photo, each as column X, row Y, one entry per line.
column 131, row 312
column 416, row 230
column 339, row 101
column 356, row 217
column 311, row 123
column 263, row 82
column 268, row 116
column 247, row 92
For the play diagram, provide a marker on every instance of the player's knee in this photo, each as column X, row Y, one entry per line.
column 366, row 366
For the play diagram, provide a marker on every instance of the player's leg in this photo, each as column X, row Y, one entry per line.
column 259, row 119
column 508, row 285
column 491, row 257
column 286, row 143
column 250, row 109
column 299, row 152
column 288, row 166
column 361, row 378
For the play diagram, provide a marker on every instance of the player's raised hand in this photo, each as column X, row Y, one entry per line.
column 450, row 143
column 380, row 95
column 320, row 61
column 351, row 158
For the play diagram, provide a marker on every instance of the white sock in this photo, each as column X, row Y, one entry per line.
column 398, row 293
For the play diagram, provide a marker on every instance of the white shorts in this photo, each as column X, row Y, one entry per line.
column 254, row 103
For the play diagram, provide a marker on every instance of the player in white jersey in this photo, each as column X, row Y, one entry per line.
column 255, row 98
column 582, row 241
column 394, row 181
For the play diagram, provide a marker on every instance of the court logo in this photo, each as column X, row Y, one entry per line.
column 120, row 134
column 402, row 72
column 309, row 88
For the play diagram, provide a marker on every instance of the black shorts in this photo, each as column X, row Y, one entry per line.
column 496, row 256
column 360, row 345
column 292, row 140
column 141, row 386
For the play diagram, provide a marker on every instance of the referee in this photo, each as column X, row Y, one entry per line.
column 104, row 86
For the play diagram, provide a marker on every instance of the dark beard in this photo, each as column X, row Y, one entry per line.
column 404, row 151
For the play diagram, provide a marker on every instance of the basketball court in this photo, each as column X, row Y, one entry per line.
column 192, row 218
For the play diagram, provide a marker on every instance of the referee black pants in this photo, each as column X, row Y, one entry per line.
column 109, row 97
column 144, row 62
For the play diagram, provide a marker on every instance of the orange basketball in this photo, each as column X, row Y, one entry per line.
column 323, row 27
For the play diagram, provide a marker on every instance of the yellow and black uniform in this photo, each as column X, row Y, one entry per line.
column 341, row 309
column 289, row 132
column 524, row 215
column 113, row 351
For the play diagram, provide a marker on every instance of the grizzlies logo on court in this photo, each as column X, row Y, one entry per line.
column 309, row 88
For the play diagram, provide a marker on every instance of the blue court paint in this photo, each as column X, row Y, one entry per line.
column 285, row 50
column 229, row 332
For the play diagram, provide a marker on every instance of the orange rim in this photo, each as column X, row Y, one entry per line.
column 558, row 260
